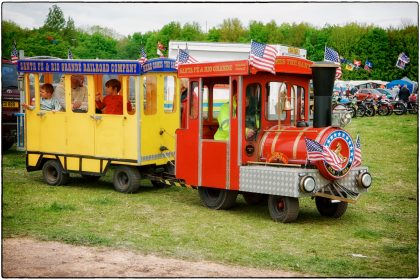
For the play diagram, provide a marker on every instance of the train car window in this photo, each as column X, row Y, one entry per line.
column 235, row 100
column 276, row 100
column 252, row 111
column 205, row 104
column 193, row 100
column 169, row 94
column 79, row 94
column 150, row 96
column 220, row 97
column 30, row 81
column 132, row 94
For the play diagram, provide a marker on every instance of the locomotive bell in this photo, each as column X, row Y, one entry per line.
column 287, row 105
column 323, row 76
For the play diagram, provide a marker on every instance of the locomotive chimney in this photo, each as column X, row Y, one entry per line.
column 323, row 77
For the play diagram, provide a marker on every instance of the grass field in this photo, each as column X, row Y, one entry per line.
column 377, row 237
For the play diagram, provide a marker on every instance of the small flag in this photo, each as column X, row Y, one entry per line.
column 263, row 56
column 69, row 54
column 14, row 54
column 143, row 55
column 349, row 66
column 402, row 60
column 331, row 55
column 184, row 57
column 343, row 60
column 357, row 63
column 357, row 153
column 316, row 152
column 160, row 49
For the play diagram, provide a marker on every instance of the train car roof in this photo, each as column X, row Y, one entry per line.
column 94, row 66
column 283, row 64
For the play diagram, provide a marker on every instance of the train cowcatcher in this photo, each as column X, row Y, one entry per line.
column 265, row 153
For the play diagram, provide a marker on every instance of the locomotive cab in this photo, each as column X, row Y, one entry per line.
column 252, row 138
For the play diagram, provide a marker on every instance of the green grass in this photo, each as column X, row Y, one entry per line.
column 382, row 226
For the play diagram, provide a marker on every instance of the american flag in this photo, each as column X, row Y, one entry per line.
column 263, row 56
column 331, row 55
column 184, row 57
column 357, row 153
column 14, row 54
column 69, row 54
column 143, row 55
column 316, row 152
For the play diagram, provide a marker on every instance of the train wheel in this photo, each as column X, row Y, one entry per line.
column 254, row 198
column 126, row 179
column 283, row 208
column 217, row 198
column 54, row 174
column 329, row 209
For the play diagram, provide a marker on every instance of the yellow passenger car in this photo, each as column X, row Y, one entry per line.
column 133, row 130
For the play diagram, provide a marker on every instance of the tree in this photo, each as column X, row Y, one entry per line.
column 232, row 30
column 55, row 19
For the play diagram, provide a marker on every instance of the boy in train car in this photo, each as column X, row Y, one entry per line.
column 112, row 103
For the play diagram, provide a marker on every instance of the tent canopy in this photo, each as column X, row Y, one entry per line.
column 410, row 85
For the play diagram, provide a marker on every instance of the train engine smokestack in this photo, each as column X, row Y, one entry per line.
column 323, row 77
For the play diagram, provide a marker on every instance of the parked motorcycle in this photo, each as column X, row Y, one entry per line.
column 361, row 108
column 371, row 107
column 398, row 107
column 350, row 104
column 384, row 108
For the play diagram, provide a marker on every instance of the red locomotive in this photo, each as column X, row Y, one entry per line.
column 256, row 143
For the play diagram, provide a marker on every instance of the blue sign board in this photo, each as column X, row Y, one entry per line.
column 159, row 65
column 73, row 66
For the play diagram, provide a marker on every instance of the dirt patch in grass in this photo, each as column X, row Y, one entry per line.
column 25, row 257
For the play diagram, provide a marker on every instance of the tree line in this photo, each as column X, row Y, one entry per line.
column 352, row 41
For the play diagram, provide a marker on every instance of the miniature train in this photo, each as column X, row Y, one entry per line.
column 266, row 129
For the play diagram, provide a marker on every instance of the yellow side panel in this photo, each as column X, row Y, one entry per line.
column 80, row 134
column 109, row 136
column 72, row 163
column 32, row 128
column 159, row 129
column 53, row 132
column 33, row 159
column 130, row 144
column 91, row 165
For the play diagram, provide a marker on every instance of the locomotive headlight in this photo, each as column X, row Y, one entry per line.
column 307, row 184
column 364, row 179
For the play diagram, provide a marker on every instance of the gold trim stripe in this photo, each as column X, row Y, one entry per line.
column 296, row 144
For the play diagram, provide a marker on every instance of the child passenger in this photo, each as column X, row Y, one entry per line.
column 112, row 103
column 48, row 102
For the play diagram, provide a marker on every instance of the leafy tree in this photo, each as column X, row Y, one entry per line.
column 55, row 19
column 231, row 30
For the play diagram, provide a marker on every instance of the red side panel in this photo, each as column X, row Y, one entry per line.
column 187, row 155
column 214, row 163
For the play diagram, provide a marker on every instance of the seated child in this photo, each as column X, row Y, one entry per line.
column 48, row 102
column 112, row 103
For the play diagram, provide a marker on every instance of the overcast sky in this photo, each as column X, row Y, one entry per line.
column 127, row 18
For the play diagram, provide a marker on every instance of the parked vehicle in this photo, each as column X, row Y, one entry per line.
column 10, row 103
column 371, row 107
column 412, row 107
column 349, row 103
column 361, row 108
column 389, row 93
column 369, row 93
column 384, row 107
column 398, row 107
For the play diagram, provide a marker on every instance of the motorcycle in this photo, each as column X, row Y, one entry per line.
column 361, row 108
column 371, row 107
column 384, row 108
column 398, row 107
column 350, row 104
